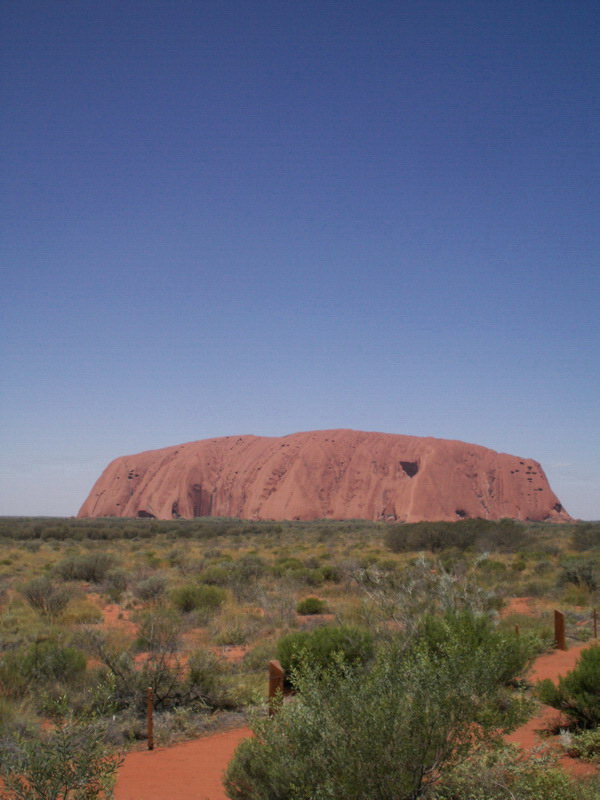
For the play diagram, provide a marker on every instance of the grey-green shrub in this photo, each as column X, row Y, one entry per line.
column 46, row 597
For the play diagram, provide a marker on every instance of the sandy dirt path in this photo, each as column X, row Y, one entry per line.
column 188, row 771
column 193, row 770
column 551, row 665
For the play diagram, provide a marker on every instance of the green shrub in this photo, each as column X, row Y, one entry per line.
column 116, row 582
column 259, row 656
column 580, row 572
column 585, row 744
column 505, row 773
column 386, row 732
column 198, row 596
column 46, row 597
column 586, row 536
column 70, row 761
column 311, row 605
column 39, row 663
column 353, row 646
column 206, row 676
column 236, row 626
column 216, row 575
column 578, row 692
column 151, row 588
column 513, row 654
column 92, row 567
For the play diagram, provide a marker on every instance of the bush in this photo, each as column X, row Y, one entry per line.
column 40, row 663
column 236, row 626
column 586, row 536
column 70, row 761
column 311, row 605
column 578, row 692
column 46, row 597
column 511, row 654
column 92, row 567
column 115, row 583
column 319, row 647
column 386, row 732
column 585, row 744
column 509, row 773
column 582, row 573
column 198, row 597
column 151, row 588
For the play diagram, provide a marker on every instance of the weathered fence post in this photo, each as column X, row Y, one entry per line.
column 559, row 631
column 150, row 717
column 276, row 678
column 595, row 618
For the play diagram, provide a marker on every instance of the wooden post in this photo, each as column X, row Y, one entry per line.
column 559, row 631
column 517, row 630
column 595, row 618
column 149, row 718
column 276, row 677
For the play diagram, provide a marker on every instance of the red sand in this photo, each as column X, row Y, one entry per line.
column 517, row 605
column 551, row 665
column 338, row 474
column 193, row 770
column 188, row 771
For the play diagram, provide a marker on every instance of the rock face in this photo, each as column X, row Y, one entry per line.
column 337, row 474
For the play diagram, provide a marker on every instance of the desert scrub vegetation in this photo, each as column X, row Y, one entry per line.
column 508, row 772
column 577, row 694
column 70, row 760
column 196, row 608
column 423, row 704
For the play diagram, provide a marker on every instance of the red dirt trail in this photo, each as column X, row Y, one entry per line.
column 193, row 770
column 551, row 665
column 188, row 771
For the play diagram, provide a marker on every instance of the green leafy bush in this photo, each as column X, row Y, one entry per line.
column 40, row 663
column 578, row 693
column 311, row 605
column 352, row 645
column 387, row 732
column 512, row 654
column 198, row 596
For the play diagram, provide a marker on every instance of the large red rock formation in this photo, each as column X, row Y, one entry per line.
column 338, row 474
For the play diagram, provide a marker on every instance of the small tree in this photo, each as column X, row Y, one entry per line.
column 386, row 732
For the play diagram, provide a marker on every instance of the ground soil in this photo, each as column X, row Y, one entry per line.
column 535, row 732
column 188, row 771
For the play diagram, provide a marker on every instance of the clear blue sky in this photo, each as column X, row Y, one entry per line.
column 258, row 217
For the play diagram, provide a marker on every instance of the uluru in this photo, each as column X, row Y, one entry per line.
column 330, row 474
